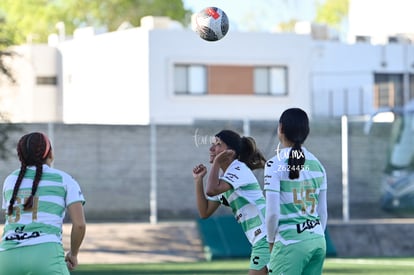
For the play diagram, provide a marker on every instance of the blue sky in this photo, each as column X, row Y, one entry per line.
column 258, row 15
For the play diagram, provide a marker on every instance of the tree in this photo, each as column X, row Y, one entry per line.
column 36, row 19
column 5, row 75
column 332, row 12
column 6, row 38
column 288, row 26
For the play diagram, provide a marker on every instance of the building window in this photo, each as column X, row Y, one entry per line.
column 411, row 87
column 388, row 90
column 230, row 80
column 190, row 79
column 270, row 81
column 46, row 80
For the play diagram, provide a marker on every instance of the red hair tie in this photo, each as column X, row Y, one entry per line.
column 47, row 146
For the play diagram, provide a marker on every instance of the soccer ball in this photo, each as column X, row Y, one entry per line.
column 211, row 24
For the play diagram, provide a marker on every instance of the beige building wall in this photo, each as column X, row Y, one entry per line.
column 36, row 95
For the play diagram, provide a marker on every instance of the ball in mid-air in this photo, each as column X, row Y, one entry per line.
column 211, row 24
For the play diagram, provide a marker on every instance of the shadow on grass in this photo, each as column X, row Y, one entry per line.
column 200, row 268
column 159, row 272
column 344, row 271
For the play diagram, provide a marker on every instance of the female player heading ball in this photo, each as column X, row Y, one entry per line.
column 238, row 188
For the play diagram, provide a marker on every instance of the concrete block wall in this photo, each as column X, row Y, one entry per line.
column 372, row 238
column 112, row 163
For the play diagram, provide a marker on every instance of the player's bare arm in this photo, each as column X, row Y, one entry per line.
column 205, row 207
column 77, row 217
column 216, row 186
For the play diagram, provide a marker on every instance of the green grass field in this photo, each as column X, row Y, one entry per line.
column 333, row 266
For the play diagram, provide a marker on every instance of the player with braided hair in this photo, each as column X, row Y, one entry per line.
column 35, row 198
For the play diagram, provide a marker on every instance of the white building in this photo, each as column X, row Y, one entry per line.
column 37, row 95
column 380, row 21
column 166, row 75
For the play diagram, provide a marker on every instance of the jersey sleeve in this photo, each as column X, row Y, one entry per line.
column 324, row 185
column 4, row 203
column 213, row 198
column 74, row 192
column 231, row 178
column 237, row 175
column 271, row 177
column 272, row 190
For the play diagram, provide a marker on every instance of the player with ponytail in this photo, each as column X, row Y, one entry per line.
column 295, row 186
column 232, row 183
column 35, row 198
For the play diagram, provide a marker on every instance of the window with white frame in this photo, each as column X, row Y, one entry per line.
column 411, row 81
column 388, row 90
column 190, row 79
column 270, row 80
column 46, row 80
column 195, row 79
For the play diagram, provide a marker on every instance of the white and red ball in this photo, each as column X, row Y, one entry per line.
column 211, row 24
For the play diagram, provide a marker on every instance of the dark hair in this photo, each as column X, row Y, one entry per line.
column 32, row 149
column 245, row 148
column 295, row 127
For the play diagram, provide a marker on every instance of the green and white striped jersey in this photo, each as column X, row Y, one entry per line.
column 298, row 214
column 246, row 200
column 43, row 223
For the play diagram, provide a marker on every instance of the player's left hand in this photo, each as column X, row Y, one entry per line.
column 71, row 261
column 227, row 156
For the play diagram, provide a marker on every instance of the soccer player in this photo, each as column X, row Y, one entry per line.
column 296, row 213
column 232, row 183
column 35, row 198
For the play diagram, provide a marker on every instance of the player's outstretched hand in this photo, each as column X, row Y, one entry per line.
column 71, row 261
column 199, row 172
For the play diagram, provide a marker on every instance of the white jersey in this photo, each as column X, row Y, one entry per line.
column 246, row 200
column 43, row 223
column 298, row 217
